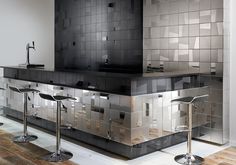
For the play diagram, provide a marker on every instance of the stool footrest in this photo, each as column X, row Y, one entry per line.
column 66, row 127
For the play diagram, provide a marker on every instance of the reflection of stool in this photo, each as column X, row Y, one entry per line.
column 25, row 138
column 1, row 89
column 189, row 159
column 59, row 155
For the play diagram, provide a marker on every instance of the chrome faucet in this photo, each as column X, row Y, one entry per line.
column 28, row 47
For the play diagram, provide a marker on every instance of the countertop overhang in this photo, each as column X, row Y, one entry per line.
column 117, row 83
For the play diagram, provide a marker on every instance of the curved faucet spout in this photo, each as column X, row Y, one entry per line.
column 28, row 47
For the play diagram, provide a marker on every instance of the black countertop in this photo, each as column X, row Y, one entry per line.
column 118, row 83
column 110, row 74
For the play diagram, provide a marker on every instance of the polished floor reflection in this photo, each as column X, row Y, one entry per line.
column 87, row 155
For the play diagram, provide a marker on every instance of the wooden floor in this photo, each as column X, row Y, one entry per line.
column 29, row 154
column 225, row 157
column 21, row 154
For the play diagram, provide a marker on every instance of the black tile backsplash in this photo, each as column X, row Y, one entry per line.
column 99, row 35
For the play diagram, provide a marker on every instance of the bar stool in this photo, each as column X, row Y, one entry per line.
column 2, row 90
column 59, row 155
column 189, row 158
column 25, row 138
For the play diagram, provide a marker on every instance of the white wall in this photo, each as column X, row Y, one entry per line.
column 23, row 21
column 233, row 72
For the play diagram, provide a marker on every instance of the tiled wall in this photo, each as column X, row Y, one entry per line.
column 183, row 35
column 92, row 33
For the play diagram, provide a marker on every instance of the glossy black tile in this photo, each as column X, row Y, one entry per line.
column 89, row 35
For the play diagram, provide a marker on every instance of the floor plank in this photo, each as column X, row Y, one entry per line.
column 224, row 157
column 22, row 154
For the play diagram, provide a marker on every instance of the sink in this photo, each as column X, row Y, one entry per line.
column 32, row 65
column 35, row 66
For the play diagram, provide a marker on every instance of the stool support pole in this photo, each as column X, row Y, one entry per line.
column 59, row 155
column 25, row 137
column 58, row 128
column 190, row 118
column 25, row 113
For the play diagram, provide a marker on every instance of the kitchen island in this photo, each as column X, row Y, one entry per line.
column 127, row 114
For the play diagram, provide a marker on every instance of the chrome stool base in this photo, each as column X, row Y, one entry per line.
column 54, row 157
column 24, row 138
column 189, row 160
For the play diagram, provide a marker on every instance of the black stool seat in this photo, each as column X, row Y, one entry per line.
column 23, row 90
column 190, row 100
column 55, row 98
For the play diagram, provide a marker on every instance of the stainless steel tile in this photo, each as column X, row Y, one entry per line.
column 173, row 43
column 205, row 55
column 194, row 17
column 217, row 15
column 147, row 33
column 194, row 5
column 164, row 56
column 183, row 5
column 183, row 55
column 217, row 28
column 173, row 6
column 164, row 20
column 205, row 68
column 173, row 31
column 217, row 55
column 164, row 43
column 205, row 16
column 205, row 42
column 217, row 42
column 183, row 43
column 194, row 42
column 183, row 18
column 155, row 32
column 183, row 31
column 194, row 30
column 155, row 55
column 205, row 29
column 154, row 21
column 174, row 55
column 217, row 4
column 194, row 55
column 205, row 4
column 164, row 31
column 173, row 19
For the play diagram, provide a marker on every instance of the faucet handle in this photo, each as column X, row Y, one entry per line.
column 33, row 44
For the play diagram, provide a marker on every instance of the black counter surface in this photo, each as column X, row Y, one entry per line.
column 117, row 83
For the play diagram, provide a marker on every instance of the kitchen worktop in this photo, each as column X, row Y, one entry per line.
column 118, row 83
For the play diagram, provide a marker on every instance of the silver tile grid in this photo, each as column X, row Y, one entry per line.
column 182, row 26
column 126, row 119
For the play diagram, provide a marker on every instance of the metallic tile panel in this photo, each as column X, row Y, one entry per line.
column 193, row 26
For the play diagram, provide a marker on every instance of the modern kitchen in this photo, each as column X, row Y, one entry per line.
column 117, row 82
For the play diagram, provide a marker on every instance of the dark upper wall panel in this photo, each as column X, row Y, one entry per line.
column 99, row 35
